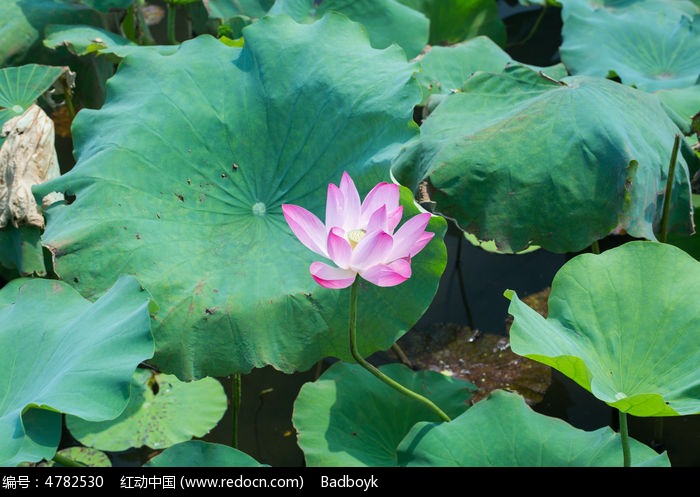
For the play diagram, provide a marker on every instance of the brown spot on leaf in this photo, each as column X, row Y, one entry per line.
column 56, row 251
column 199, row 287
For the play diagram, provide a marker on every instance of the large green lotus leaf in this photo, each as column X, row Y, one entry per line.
column 106, row 5
column 22, row 23
column 199, row 454
column 681, row 104
column 74, row 356
column 386, row 21
column 188, row 196
column 452, row 21
column 226, row 9
column 82, row 40
column 651, row 44
column 350, row 418
column 162, row 411
column 84, row 455
column 623, row 325
column 121, row 51
column 502, row 431
column 523, row 160
column 446, row 69
column 37, row 437
column 21, row 250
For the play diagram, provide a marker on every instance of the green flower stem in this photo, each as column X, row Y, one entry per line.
column 235, row 405
column 663, row 235
column 663, row 231
column 361, row 361
column 144, row 33
column 171, row 23
column 462, row 286
column 534, row 28
column 67, row 462
column 68, row 93
column 595, row 248
column 624, row 436
column 318, row 370
column 401, row 354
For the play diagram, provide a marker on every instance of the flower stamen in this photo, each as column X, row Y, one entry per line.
column 354, row 236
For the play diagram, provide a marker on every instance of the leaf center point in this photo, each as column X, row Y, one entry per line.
column 354, row 236
column 259, row 209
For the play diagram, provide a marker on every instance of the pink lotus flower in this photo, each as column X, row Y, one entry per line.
column 359, row 236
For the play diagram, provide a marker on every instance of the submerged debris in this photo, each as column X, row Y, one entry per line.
column 484, row 359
